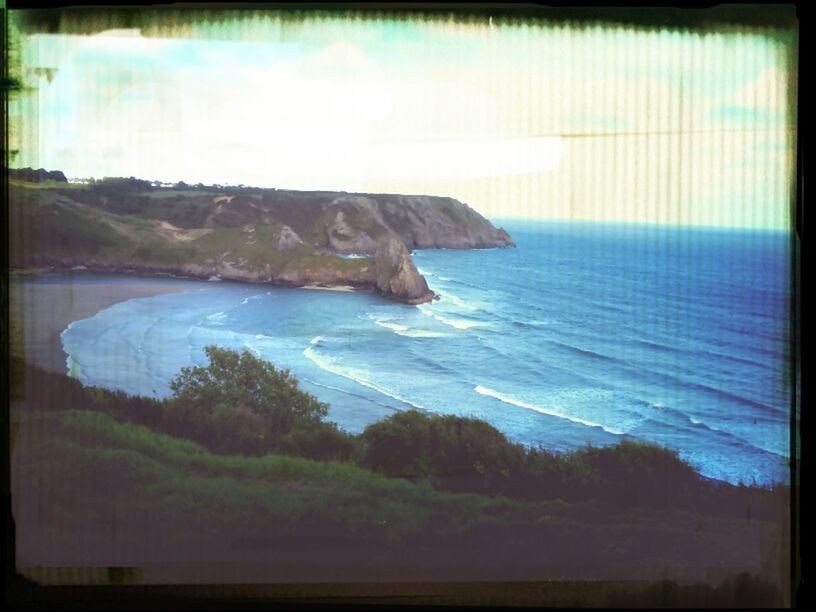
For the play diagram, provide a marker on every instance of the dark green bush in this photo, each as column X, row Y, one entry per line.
column 323, row 441
column 638, row 473
column 456, row 453
column 233, row 380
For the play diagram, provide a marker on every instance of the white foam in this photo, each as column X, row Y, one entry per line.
column 420, row 333
column 457, row 323
column 218, row 316
column 354, row 375
column 395, row 327
column 549, row 411
column 457, row 301
column 316, row 340
column 214, row 279
column 460, row 324
column 251, row 297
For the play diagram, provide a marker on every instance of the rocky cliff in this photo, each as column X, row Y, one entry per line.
column 254, row 235
column 397, row 275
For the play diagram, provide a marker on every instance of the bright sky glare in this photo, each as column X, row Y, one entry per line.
column 578, row 122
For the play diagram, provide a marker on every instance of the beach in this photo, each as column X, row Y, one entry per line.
column 39, row 312
column 345, row 288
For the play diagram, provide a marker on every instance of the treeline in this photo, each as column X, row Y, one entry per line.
column 240, row 404
column 113, row 184
column 36, row 176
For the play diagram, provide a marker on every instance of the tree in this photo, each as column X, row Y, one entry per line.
column 261, row 397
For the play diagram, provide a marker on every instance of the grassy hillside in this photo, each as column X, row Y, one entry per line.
column 95, row 480
column 89, row 489
column 54, row 227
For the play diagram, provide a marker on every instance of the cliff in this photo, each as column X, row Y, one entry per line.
column 285, row 237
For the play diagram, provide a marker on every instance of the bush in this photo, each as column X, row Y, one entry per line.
column 456, row 453
column 637, row 473
column 236, row 430
column 323, row 441
column 265, row 399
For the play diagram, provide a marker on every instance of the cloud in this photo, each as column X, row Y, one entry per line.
column 337, row 162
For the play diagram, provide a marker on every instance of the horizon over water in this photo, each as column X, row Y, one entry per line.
column 585, row 333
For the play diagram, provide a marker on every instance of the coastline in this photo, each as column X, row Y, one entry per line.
column 40, row 311
column 344, row 288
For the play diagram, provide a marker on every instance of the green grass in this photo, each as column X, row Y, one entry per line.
column 183, row 481
column 83, row 481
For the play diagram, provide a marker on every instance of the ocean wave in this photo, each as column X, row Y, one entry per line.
column 548, row 411
column 316, row 340
column 395, row 327
column 408, row 332
column 534, row 323
column 461, row 324
column 420, row 333
column 353, row 375
column 585, row 352
column 252, row 348
column 458, row 323
column 456, row 301
column 245, row 301
column 350, row 393
column 218, row 316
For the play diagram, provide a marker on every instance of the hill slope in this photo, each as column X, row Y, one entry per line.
column 244, row 234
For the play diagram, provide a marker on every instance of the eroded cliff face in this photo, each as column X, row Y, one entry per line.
column 396, row 274
column 358, row 223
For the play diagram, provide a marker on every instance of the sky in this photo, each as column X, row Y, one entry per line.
column 516, row 120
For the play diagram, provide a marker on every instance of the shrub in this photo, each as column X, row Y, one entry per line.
column 241, row 382
column 454, row 452
column 321, row 441
column 638, row 473
column 236, row 430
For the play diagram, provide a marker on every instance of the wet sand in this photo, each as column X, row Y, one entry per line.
column 39, row 312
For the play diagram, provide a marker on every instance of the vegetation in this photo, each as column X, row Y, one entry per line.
column 116, row 223
column 262, row 478
column 241, row 405
column 454, row 452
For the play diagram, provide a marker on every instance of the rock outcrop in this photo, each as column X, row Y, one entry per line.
column 286, row 239
column 397, row 275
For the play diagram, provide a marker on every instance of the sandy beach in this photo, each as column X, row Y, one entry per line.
column 346, row 288
column 39, row 312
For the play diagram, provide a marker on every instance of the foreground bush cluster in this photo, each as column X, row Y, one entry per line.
column 239, row 404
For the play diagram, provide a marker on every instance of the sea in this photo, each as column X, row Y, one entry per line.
column 585, row 333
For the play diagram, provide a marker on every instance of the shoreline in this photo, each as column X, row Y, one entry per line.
column 40, row 311
column 343, row 288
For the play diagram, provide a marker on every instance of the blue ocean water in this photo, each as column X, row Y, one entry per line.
column 585, row 333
